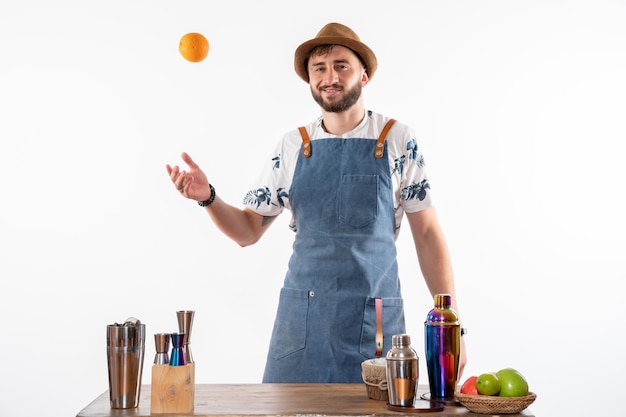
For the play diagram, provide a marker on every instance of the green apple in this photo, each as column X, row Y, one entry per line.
column 488, row 384
column 512, row 383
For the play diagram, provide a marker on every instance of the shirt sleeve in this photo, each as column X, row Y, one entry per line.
column 269, row 194
column 414, row 190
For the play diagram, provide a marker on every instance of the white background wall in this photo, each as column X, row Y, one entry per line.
column 519, row 106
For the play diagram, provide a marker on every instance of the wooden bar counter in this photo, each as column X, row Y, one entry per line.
column 240, row 400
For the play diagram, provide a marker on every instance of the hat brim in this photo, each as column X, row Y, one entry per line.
column 362, row 50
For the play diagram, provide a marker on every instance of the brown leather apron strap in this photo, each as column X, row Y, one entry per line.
column 380, row 143
column 306, row 142
column 379, row 326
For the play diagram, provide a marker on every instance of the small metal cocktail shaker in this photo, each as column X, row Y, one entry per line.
column 443, row 348
column 162, row 344
column 402, row 371
column 125, row 351
column 185, row 323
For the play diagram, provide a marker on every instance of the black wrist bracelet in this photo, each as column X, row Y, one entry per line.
column 210, row 200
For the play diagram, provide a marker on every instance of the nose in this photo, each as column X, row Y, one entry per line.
column 331, row 76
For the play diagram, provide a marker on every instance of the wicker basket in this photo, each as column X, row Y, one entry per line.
column 374, row 372
column 491, row 404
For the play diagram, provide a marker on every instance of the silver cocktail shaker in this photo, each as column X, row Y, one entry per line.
column 125, row 351
column 443, row 348
column 402, row 371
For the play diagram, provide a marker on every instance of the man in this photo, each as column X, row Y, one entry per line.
column 348, row 178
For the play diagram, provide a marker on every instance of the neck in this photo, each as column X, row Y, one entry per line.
column 340, row 123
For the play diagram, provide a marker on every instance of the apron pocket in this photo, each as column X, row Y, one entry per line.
column 358, row 200
column 289, row 333
column 393, row 323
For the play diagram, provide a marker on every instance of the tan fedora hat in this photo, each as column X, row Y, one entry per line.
column 335, row 34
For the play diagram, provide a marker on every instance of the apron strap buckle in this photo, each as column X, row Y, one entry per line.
column 306, row 142
column 380, row 143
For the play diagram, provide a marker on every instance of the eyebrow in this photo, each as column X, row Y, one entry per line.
column 336, row 61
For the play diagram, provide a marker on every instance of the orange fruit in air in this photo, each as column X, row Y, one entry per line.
column 193, row 47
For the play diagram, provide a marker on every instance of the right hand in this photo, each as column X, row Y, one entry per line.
column 193, row 184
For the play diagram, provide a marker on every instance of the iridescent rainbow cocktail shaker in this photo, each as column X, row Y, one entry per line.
column 443, row 348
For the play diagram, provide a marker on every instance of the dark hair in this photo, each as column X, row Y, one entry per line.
column 325, row 49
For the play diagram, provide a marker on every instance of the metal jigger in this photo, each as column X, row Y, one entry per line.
column 185, row 322
column 162, row 343
column 178, row 352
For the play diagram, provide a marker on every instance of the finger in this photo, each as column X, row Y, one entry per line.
column 180, row 181
column 188, row 160
column 174, row 173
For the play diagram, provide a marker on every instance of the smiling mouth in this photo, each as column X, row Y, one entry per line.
column 331, row 89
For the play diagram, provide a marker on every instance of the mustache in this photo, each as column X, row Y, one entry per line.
column 337, row 86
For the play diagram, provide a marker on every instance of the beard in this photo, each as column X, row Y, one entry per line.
column 350, row 97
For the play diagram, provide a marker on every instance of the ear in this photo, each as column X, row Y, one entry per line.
column 364, row 78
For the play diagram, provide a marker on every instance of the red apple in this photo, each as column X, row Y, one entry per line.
column 469, row 386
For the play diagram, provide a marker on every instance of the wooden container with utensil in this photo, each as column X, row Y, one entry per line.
column 173, row 389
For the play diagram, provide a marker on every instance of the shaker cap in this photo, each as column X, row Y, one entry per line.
column 401, row 340
column 442, row 313
column 443, row 300
column 401, row 348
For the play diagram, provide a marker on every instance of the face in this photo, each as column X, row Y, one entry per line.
column 336, row 79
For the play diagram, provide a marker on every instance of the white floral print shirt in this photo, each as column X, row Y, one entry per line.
column 270, row 194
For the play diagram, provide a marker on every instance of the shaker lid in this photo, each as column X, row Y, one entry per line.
column 401, row 348
column 442, row 313
column 401, row 340
column 443, row 300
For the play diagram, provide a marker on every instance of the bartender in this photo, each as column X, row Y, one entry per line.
column 348, row 178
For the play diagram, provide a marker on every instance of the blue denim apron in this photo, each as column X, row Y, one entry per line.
column 341, row 301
